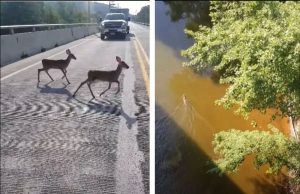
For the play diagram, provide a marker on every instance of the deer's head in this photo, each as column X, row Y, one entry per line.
column 70, row 54
column 122, row 63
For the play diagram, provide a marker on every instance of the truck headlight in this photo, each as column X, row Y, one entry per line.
column 123, row 25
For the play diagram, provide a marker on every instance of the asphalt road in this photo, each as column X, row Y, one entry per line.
column 54, row 143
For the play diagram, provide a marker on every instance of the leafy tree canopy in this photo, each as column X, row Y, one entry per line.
column 15, row 13
column 143, row 15
column 194, row 12
column 20, row 13
column 255, row 47
column 274, row 149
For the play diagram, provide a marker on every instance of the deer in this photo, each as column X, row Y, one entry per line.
column 109, row 76
column 57, row 64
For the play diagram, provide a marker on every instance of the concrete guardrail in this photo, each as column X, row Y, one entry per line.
column 16, row 45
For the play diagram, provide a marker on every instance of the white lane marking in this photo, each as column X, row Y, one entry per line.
column 128, row 165
column 25, row 68
column 142, row 49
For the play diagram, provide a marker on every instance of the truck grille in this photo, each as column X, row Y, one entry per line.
column 113, row 24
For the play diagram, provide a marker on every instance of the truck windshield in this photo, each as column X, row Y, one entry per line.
column 118, row 16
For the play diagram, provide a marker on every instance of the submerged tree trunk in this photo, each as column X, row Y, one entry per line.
column 294, row 120
column 293, row 187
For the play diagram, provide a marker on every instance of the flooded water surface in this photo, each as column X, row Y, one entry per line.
column 187, row 119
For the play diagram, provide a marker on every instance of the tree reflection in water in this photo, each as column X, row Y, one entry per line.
column 195, row 13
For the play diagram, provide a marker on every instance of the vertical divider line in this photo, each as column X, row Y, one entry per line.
column 152, row 96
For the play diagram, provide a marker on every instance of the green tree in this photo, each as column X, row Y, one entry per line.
column 194, row 12
column 255, row 47
column 51, row 16
column 20, row 13
column 272, row 149
column 17, row 13
column 143, row 15
column 70, row 13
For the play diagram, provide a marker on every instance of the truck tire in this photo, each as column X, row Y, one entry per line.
column 123, row 36
column 102, row 36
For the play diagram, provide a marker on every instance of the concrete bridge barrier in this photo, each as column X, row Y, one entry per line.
column 15, row 46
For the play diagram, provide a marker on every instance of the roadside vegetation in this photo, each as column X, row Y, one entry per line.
column 255, row 49
column 20, row 13
column 58, row 12
column 143, row 15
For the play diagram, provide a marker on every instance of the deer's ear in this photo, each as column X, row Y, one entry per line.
column 118, row 58
column 68, row 51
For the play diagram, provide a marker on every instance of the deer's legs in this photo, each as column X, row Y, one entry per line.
column 49, row 75
column 106, row 89
column 118, row 87
column 89, row 85
column 80, row 86
column 39, row 70
column 65, row 76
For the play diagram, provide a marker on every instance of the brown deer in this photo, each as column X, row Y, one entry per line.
column 110, row 76
column 57, row 64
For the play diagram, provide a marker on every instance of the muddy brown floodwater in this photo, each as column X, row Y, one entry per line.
column 187, row 120
column 194, row 119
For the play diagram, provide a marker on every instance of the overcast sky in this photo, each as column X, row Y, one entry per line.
column 134, row 6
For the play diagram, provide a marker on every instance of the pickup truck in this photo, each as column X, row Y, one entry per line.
column 114, row 24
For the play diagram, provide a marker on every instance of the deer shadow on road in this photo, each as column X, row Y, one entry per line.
column 62, row 90
column 129, row 120
column 101, row 107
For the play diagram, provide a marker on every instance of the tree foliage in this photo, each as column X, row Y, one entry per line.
column 194, row 12
column 143, row 15
column 274, row 149
column 51, row 15
column 255, row 47
column 15, row 13
column 20, row 13
column 70, row 13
